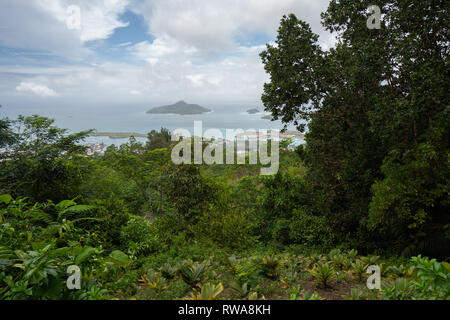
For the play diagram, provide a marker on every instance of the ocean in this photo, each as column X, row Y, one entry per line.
column 132, row 117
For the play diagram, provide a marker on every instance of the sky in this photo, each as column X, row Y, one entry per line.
column 141, row 50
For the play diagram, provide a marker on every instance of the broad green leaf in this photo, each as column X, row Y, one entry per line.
column 120, row 258
column 78, row 208
column 446, row 265
column 65, row 204
column 86, row 253
column 59, row 252
column 5, row 198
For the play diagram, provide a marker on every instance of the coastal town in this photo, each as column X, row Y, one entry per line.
column 293, row 139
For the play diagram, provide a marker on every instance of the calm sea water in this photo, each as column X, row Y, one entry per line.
column 133, row 118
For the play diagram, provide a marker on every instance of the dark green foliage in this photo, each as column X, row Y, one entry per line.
column 192, row 273
column 7, row 137
column 38, row 163
column 189, row 193
column 378, row 121
column 158, row 140
column 139, row 236
column 374, row 176
column 310, row 230
column 287, row 205
column 112, row 216
column 226, row 226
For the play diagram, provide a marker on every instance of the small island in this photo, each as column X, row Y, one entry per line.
column 267, row 117
column 253, row 111
column 181, row 108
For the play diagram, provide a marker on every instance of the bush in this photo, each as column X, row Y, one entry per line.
column 139, row 235
column 113, row 215
column 303, row 228
column 227, row 228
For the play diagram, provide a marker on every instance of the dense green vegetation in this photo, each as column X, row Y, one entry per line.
column 369, row 188
column 140, row 227
column 378, row 112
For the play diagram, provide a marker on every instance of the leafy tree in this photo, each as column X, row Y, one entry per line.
column 158, row 139
column 143, row 167
column 283, row 195
column 6, row 135
column 41, row 163
column 157, row 160
column 189, row 193
column 378, row 97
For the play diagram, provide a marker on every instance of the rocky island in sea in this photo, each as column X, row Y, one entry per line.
column 181, row 108
column 253, row 111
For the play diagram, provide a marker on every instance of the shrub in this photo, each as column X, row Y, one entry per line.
column 112, row 215
column 309, row 229
column 323, row 274
column 226, row 227
column 139, row 235
column 208, row 291
column 168, row 271
column 269, row 267
column 402, row 290
column 154, row 280
column 192, row 273
column 359, row 267
column 433, row 279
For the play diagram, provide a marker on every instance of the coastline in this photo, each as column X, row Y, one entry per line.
column 119, row 135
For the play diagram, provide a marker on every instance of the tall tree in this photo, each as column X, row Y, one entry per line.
column 6, row 135
column 158, row 139
column 41, row 162
column 189, row 192
column 380, row 96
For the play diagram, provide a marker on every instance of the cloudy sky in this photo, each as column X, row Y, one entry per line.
column 140, row 50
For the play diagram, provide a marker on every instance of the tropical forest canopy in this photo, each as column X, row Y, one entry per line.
column 371, row 185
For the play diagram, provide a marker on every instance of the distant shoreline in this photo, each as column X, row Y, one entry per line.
column 118, row 135
column 125, row 135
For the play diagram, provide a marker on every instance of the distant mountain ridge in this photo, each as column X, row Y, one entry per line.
column 181, row 108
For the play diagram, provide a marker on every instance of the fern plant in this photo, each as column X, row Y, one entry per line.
column 308, row 295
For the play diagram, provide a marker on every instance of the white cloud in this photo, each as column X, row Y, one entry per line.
column 98, row 19
column 215, row 24
column 203, row 49
column 26, row 25
column 37, row 89
column 42, row 25
column 164, row 47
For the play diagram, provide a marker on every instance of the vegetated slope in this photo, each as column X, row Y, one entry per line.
column 181, row 108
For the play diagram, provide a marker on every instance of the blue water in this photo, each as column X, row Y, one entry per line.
column 133, row 118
